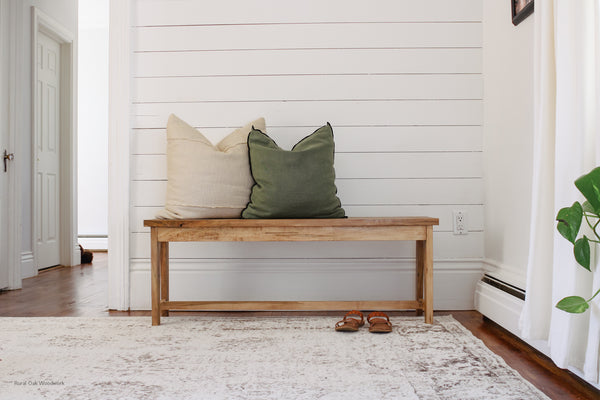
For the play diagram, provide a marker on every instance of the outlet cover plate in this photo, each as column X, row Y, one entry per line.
column 460, row 222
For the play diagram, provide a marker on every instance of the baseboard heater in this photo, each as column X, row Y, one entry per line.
column 505, row 287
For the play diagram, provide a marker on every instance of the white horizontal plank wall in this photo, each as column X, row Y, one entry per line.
column 400, row 81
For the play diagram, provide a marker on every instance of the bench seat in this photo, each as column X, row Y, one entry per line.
column 418, row 229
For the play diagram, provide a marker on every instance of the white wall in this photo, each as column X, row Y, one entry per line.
column 508, row 140
column 64, row 12
column 93, row 124
column 508, row 150
column 400, row 81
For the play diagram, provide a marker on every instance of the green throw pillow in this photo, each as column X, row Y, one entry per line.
column 293, row 184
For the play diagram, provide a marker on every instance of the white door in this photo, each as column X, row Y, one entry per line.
column 3, row 210
column 3, row 195
column 47, row 130
column 3, row 145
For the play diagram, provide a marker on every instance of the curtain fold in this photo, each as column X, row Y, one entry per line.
column 566, row 146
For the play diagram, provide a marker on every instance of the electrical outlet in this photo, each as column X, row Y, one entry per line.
column 460, row 222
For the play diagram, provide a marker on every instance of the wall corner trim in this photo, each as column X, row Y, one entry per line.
column 118, row 153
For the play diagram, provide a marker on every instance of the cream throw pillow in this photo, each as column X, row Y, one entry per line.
column 204, row 180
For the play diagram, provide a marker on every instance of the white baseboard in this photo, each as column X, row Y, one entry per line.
column 27, row 265
column 94, row 243
column 314, row 280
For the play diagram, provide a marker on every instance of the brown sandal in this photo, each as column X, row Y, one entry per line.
column 349, row 324
column 379, row 325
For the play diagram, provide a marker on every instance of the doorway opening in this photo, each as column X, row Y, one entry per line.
column 93, row 124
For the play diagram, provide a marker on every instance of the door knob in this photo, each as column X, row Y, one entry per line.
column 7, row 157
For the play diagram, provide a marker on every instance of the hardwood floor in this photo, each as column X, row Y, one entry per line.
column 81, row 291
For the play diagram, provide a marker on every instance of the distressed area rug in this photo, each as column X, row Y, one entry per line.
column 248, row 358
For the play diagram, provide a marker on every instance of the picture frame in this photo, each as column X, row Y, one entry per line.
column 521, row 9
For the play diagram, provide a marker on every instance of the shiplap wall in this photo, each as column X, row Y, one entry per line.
column 400, row 82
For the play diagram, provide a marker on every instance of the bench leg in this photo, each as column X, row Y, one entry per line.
column 164, row 275
column 428, row 276
column 155, row 276
column 419, row 274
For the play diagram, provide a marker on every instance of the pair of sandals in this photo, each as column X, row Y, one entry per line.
column 379, row 322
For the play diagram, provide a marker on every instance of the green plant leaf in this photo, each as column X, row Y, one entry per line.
column 569, row 221
column 582, row 252
column 587, row 207
column 573, row 305
column 589, row 186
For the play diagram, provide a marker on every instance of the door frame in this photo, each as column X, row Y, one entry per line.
column 69, row 251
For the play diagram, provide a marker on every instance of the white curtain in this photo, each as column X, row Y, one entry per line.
column 567, row 145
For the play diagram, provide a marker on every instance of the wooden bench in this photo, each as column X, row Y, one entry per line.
column 419, row 229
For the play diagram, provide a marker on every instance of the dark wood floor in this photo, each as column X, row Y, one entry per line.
column 81, row 291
